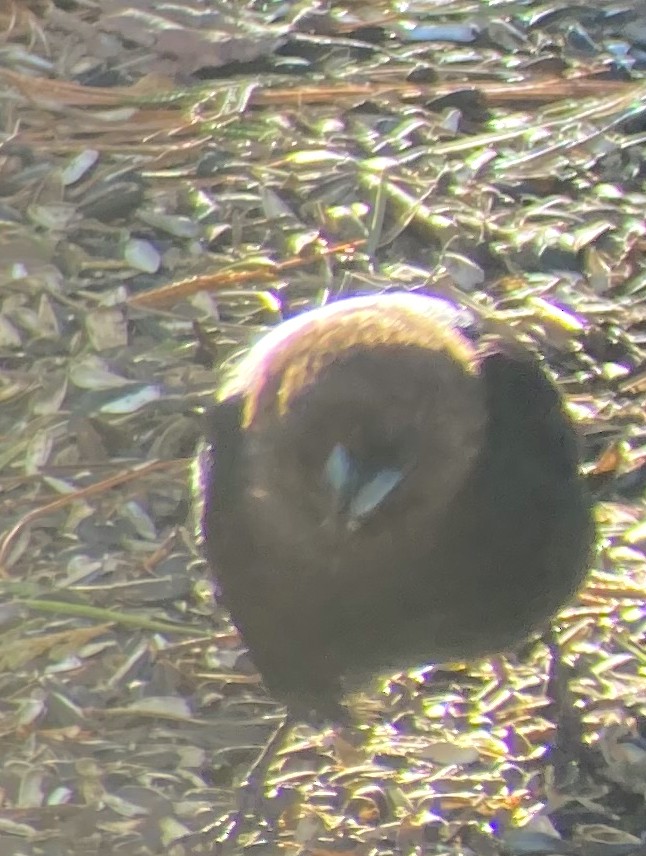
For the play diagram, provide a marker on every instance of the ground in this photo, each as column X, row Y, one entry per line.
column 172, row 182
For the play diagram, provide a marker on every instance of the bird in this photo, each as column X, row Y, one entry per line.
column 378, row 492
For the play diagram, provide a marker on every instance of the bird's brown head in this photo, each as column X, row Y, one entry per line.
column 356, row 407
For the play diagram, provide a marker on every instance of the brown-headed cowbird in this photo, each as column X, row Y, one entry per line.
column 380, row 493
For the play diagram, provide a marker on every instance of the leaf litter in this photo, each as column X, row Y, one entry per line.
column 174, row 179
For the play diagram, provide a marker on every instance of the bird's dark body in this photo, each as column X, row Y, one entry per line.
column 484, row 536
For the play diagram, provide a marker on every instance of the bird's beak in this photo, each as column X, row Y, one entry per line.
column 356, row 489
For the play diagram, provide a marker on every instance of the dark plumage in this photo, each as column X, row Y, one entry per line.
column 380, row 494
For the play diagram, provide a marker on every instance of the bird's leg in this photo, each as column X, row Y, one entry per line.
column 568, row 749
column 250, row 790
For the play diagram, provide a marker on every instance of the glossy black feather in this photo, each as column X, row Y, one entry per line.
column 379, row 495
